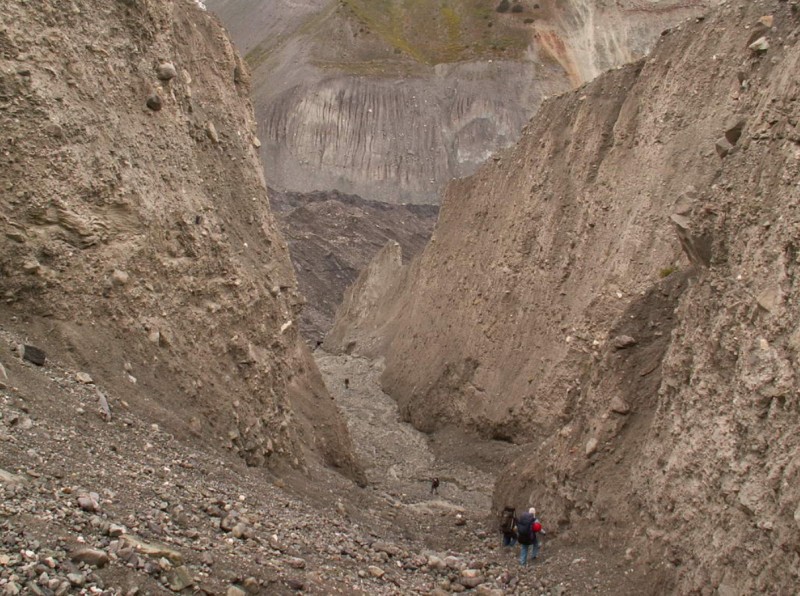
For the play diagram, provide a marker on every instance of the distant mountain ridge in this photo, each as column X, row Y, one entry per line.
column 391, row 99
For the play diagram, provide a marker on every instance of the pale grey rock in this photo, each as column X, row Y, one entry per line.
column 179, row 579
column 166, row 71
column 619, row 405
column 622, row 342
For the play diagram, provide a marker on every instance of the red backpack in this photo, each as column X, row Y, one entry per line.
column 537, row 527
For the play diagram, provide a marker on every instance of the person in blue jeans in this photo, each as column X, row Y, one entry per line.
column 528, row 526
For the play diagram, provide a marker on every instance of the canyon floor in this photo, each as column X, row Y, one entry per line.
column 94, row 505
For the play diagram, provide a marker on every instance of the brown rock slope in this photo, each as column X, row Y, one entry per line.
column 136, row 238
column 333, row 236
column 555, row 303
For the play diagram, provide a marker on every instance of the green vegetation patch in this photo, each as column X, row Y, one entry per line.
column 436, row 31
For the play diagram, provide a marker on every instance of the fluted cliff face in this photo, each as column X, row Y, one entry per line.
column 137, row 242
column 620, row 289
column 391, row 100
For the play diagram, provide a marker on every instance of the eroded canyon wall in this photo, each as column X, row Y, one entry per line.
column 137, row 242
column 621, row 289
column 390, row 100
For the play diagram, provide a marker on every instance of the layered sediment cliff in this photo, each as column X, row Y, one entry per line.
column 620, row 289
column 390, row 100
column 137, row 242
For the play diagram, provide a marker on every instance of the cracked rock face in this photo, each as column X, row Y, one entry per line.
column 391, row 100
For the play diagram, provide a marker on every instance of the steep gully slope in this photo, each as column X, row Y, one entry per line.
column 621, row 288
column 137, row 243
column 391, row 99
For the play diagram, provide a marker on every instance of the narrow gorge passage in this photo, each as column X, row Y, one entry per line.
column 398, row 459
column 399, row 462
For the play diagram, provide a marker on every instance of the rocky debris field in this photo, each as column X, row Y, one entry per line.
column 333, row 236
column 102, row 500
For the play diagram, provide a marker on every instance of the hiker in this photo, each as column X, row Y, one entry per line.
column 508, row 525
column 435, row 486
column 528, row 526
column 346, row 383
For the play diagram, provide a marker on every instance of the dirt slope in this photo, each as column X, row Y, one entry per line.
column 390, row 99
column 137, row 241
column 621, row 287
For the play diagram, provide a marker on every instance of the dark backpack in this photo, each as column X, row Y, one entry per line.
column 524, row 527
column 507, row 522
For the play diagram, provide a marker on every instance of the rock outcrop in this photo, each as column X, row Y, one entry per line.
column 624, row 295
column 332, row 237
column 390, row 100
column 136, row 238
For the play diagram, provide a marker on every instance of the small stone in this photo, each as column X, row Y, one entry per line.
column 619, row 405
column 591, row 446
column 435, row 562
column 166, row 71
column 767, row 21
column 622, row 342
column 179, row 579
column 90, row 556
column 256, row 143
column 376, row 571
column 211, row 132
column 34, row 355
column 10, row 479
column 116, row 531
column 153, row 549
column 241, row 530
column 235, row 591
column 154, row 102
column 723, row 146
column 229, row 521
column 760, row 45
column 11, row 589
column 54, row 130
column 251, row 585
column 471, row 582
column 31, row 266
column 88, row 503
column 76, row 579
column 119, row 277
column 84, row 378
column 207, row 559
column 297, row 563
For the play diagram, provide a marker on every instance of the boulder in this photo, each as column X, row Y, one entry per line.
column 179, row 579
column 90, row 556
column 33, row 355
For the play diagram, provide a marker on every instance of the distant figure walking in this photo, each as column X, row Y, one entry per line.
column 508, row 525
column 346, row 383
column 435, row 486
column 528, row 526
